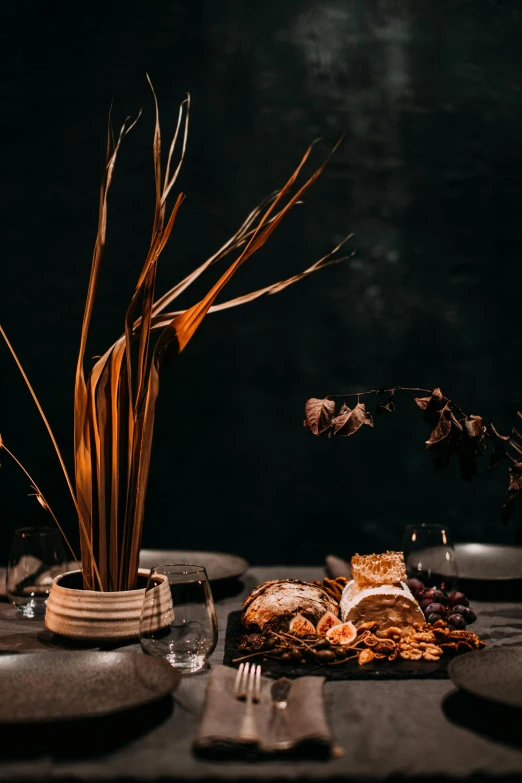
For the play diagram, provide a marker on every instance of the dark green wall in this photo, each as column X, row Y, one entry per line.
column 429, row 179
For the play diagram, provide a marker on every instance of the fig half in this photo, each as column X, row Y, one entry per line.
column 300, row 626
column 342, row 633
column 327, row 621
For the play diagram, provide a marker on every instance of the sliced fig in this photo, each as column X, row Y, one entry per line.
column 327, row 621
column 300, row 626
column 342, row 633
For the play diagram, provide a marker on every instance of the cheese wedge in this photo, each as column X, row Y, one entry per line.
column 387, row 605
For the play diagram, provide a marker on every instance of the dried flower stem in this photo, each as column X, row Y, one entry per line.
column 41, row 499
column 394, row 389
column 252, row 655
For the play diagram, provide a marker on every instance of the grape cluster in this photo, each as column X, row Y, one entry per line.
column 436, row 604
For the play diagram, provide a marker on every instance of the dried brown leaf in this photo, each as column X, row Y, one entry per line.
column 498, row 453
column 516, row 440
column 348, row 423
column 319, row 415
column 442, row 428
column 514, row 488
column 470, row 446
column 431, row 406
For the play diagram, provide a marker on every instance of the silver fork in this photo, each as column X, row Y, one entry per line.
column 248, row 687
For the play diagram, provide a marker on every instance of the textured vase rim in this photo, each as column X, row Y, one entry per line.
column 56, row 581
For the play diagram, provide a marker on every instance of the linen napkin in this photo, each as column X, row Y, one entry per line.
column 336, row 567
column 308, row 730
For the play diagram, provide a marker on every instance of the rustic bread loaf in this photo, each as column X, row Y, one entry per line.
column 273, row 604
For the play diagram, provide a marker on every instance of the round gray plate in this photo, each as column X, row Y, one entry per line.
column 488, row 562
column 217, row 564
column 494, row 674
column 39, row 687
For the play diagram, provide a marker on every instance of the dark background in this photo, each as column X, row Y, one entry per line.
column 429, row 179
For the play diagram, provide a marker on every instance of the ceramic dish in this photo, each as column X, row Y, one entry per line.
column 494, row 674
column 218, row 565
column 41, row 687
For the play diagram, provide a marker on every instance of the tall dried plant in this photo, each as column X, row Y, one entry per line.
column 114, row 403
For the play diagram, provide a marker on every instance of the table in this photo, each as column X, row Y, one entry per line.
column 400, row 729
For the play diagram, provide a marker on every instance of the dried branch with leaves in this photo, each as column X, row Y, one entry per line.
column 454, row 435
column 114, row 401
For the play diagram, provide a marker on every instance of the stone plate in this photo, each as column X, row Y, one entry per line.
column 495, row 674
column 40, row 687
column 219, row 566
column 488, row 562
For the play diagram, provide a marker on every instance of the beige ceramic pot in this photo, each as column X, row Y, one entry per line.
column 91, row 615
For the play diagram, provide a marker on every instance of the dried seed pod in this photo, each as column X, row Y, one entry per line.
column 322, row 644
column 325, row 656
column 384, row 648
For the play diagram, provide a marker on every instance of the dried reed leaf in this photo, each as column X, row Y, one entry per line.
column 275, row 288
column 182, row 327
column 38, row 494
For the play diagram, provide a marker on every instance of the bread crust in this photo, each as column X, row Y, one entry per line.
column 273, row 604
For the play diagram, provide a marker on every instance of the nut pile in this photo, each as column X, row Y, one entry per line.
column 423, row 642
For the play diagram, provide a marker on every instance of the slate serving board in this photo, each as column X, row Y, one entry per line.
column 377, row 670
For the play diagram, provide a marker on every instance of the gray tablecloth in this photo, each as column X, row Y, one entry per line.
column 402, row 729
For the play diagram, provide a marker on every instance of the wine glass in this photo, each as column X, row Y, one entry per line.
column 183, row 630
column 36, row 557
column 429, row 555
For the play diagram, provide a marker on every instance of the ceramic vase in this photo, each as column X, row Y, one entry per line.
column 90, row 615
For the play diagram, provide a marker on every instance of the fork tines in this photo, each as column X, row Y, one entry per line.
column 248, row 682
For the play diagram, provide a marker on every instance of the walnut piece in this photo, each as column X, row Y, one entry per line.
column 409, row 654
column 391, row 633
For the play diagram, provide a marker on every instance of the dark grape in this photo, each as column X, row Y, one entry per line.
column 457, row 621
column 429, row 593
column 470, row 615
column 463, row 610
column 458, row 599
column 415, row 584
column 425, row 603
column 419, row 595
column 432, row 618
column 436, row 608
column 440, row 597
